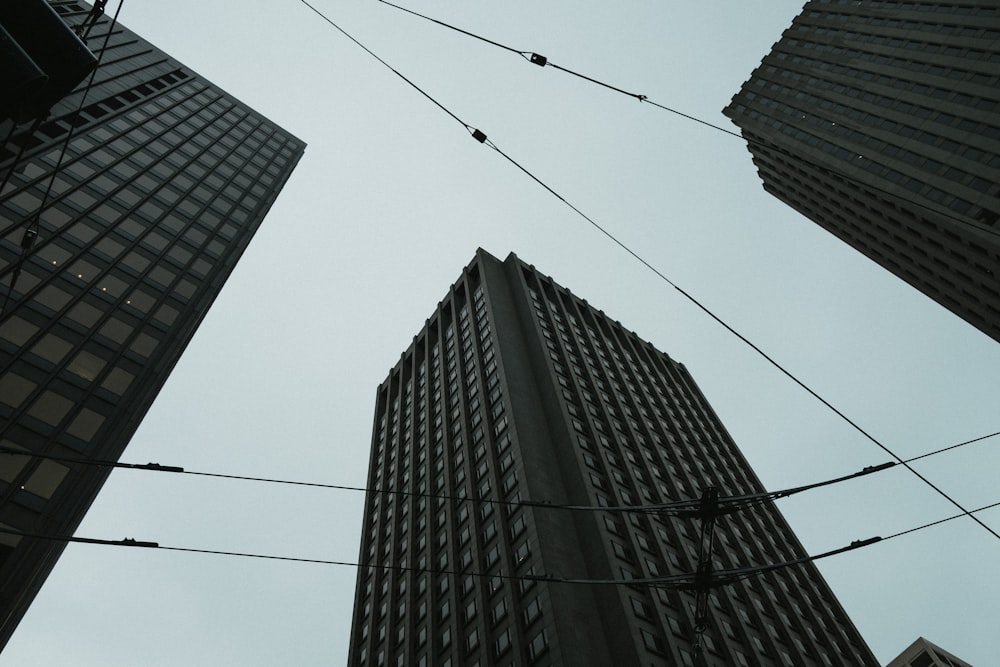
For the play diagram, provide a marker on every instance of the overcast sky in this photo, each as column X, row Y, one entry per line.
column 391, row 200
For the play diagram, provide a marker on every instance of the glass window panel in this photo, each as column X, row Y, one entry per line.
column 141, row 300
column 151, row 210
column 46, row 479
column 80, row 170
column 82, row 232
column 162, row 275
column 52, row 348
column 136, row 261
column 200, row 268
column 14, row 389
column 180, row 255
column 28, row 202
column 86, row 424
column 85, row 314
column 117, row 381
column 166, row 314
column 185, row 288
column 116, row 330
column 144, row 344
column 113, row 286
column 173, row 223
column 110, row 247
column 86, row 365
column 131, row 229
column 50, row 407
column 12, row 463
column 83, row 270
column 195, row 236
column 55, row 218
column 53, row 297
column 17, row 330
column 80, row 200
column 156, row 241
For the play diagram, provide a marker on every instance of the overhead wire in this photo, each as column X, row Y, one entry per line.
column 679, row 581
column 689, row 507
column 543, row 61
column 481, row 137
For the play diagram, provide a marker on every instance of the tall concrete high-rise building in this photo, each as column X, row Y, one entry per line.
column 880, row 121
column 517, row 398
column 923, row 653
column 111, row 253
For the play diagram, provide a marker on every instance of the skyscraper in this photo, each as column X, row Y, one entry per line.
column 517, row 392
column 880, row 121
column 923, row 653
column 111, row 254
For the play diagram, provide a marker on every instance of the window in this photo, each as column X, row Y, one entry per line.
column 503, row 643
column 521, row 554
column 532, row 611
column 538, row 646
column 500, row 610
column 493, row 556
column 652, row 642
column 472, row 641
column 517, row 526
column 640, row 608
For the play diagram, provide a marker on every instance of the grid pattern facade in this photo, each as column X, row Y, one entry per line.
column 880, row 121
column 163, row 184
column 516, row 390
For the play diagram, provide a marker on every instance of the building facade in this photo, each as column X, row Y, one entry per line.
column 923, row 653
column 163, row 182
column 516, row 399
column 880, row 121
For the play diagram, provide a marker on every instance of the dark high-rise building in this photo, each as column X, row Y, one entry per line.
column 104, row 279
column 923, row 653
column 880, row 121
column 517, row 392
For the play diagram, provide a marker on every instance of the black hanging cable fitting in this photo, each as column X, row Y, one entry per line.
column 539, row 59
column 28, row 239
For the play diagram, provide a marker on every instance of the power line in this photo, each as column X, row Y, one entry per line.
column 481, row 137
column 680, row 581
column 543, row 61
column 681, row 508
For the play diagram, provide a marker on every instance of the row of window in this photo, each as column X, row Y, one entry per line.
column 923, row 6
column 934, row 267
column 945, row 28
column 634, row 547
column 464, row 395
column 933, row 168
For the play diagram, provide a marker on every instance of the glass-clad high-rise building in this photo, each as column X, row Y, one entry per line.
column 163, row 182
column 880, row 121
column 516, row 395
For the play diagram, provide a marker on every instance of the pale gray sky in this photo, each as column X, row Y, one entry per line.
column 390, row 202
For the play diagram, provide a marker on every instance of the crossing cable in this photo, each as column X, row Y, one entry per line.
column 680, row 508
column 542, row 61
column 481, row 137
column 678, row 582
column 34, row 221
column 857, row 427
